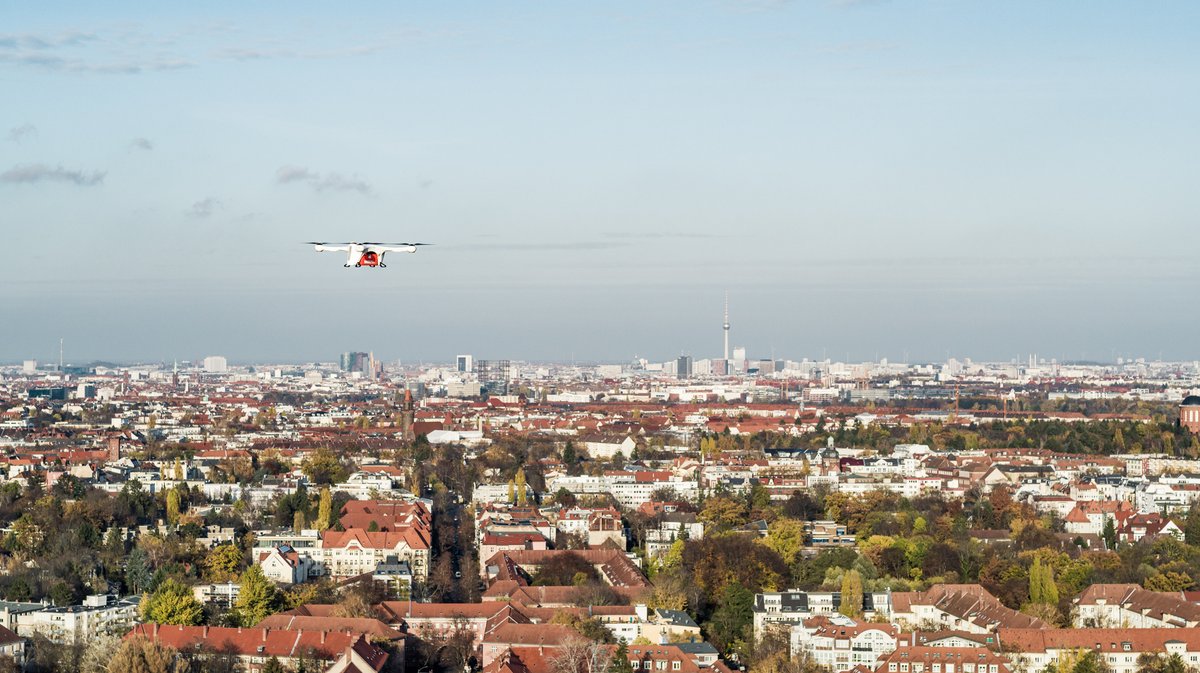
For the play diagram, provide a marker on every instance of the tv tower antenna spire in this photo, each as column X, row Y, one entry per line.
column 725, row 326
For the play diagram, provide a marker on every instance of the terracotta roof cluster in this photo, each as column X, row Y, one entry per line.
column 388, row 515
column 1100, row 640
column 928, row 656
column 264, row 642
column 1164, row 607
column 612, row 563
column 968, row 602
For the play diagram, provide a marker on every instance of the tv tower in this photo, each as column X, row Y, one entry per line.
column 725, row 326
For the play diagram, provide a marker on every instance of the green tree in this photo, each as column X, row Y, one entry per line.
column 852, row 594
column 223, row 562
column 730, row 622
column 1110, row 533
column 325, row 510
column 138, row 575
column 620, row 660
column 1191, row 526
column 172, row 507
column 1035, row 582
column 323, row 467
column 273, row 666
column 257, row 599
column 171, row 603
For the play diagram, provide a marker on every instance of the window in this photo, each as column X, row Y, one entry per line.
column 675, row 666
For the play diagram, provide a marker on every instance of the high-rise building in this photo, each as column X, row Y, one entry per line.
column 683, row 367
column 216, row 364
column 493, row 375
column 29, row 367
column 465, row 364
column 363, row 363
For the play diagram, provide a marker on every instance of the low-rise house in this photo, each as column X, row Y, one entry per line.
column 12, row 646
column 330, row 651
column 966, row 607
column 1130, row 606
column 285, row 565
column 840, row 643
column 925, row 659
column 1035, row 649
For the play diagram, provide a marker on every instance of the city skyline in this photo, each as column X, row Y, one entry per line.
column 862, row 177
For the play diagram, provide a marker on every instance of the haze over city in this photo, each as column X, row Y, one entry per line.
column 866, row 179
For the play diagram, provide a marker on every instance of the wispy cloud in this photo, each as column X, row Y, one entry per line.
column 36, row 42
column 204, row 208
column 38, row 173
column 141, row 144
column 19, row 133
column 322, row 182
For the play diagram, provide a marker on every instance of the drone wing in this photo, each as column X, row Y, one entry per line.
column 321, row 246
column 395, row 247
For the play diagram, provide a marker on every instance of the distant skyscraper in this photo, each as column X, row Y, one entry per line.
column 493, row 375
column 465, row 364
column 29, row 367
column 215, row 364
column 355, row 361
column 726, row 328
column 683, row 367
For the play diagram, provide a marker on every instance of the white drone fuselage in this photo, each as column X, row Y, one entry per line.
column 364, row 254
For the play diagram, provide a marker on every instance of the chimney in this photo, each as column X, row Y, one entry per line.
column 322, row 637
column 204, row 632
column 265, row 632
column 156, row 630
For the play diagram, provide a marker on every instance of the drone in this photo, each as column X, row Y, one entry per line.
column 365, row 254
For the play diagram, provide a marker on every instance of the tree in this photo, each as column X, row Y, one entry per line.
column 138, row 575
column 298, row 522
column 273, row 666
column 171, row 603
column 1110, row 533
column 325, row 510
column 731, row 620
column 142, row 655
column 579, row 655
column 786, row 537
column 323, row 467
column 1035, row 582
column 620, row 660
column 257, row 599
column 99, row 652
column 223, row 562
column 172, row 507
column 724, row 512
column 1191, row 526
column 520, row 487
column 852, row 594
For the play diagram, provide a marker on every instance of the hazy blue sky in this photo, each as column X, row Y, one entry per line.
column 866, row 178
